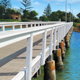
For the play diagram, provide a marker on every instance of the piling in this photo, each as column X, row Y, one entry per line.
column 62, row 47
column 58, row 59
column 67, row 41
column 49, row 70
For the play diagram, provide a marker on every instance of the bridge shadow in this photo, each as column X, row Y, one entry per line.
column 17, row 53
column 8, row 74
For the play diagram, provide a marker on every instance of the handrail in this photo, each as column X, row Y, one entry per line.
column 9, row 37
column 13, row 24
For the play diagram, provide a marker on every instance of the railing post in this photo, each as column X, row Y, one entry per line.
column 31, row 25
column 3, row 28
column 34, row 25
column 38, row 24
column 62, row 32
column 21, row 26
column 29, row 49
column 26, row 25
column 13, row 27
column 57, row 54
column 43, row 47
column 51, row 40
column 54, row 48
column 58, row 38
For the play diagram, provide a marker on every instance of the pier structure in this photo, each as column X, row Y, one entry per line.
column 23, row 51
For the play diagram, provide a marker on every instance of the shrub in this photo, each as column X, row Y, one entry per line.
column 8, row 20
column 25, row 20
column 78, row 26
column 77, row 20
column 75, row 25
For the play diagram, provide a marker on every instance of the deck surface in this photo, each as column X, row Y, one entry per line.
column 13, row 57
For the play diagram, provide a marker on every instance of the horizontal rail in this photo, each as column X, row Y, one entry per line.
column 3, row 25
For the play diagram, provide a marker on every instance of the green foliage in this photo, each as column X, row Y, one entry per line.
column 7, row 14
column 47, row 11
column 54, row 16
column 16, row 10
column 26, row 4
column 77, row 20
column 5, row 3
column 25, row 20
column 27, row 16
column 41, row 76
column 33, row 15
column 75, row 24
column 78, row 15
column 8, row 20
column 43, row 18
column 2, row 11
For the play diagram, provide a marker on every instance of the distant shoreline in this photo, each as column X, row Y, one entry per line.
column 75, row 29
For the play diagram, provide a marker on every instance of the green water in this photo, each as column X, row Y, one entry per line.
column 71, row 69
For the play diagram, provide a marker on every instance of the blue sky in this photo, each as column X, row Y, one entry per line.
column 40, row 5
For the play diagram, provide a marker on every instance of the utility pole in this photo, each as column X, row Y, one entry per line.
column 70, row 12
column 66, row 11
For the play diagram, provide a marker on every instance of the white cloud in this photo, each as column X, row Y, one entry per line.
column 57, row 3
column 55, row 0
column 75, row 1
column 70, row 1
column 18, row 0
column 16, row 7
column 22, row 0
column 37, row 3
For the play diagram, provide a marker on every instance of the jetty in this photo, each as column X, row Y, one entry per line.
column 23, row 51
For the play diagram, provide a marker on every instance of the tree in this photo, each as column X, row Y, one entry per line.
column 2, row 10
column 25, row 10
column 17, row 10
column 78, row 15
column 26, row 14
column 54, row 16
column 43, row 18
column 47, row 10
column 26, row 4
column 5, row 3
column 33, row 15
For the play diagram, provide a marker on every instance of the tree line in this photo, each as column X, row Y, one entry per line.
column 27, row 14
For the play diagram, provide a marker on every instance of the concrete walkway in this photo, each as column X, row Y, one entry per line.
column 13, row 57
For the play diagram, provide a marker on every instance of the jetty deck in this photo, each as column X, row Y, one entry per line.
column 13, row 56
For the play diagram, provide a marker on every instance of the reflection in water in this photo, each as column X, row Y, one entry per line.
column 71, row 69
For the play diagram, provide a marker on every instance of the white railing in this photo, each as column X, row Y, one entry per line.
column 27, row 24
column 32, row 66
